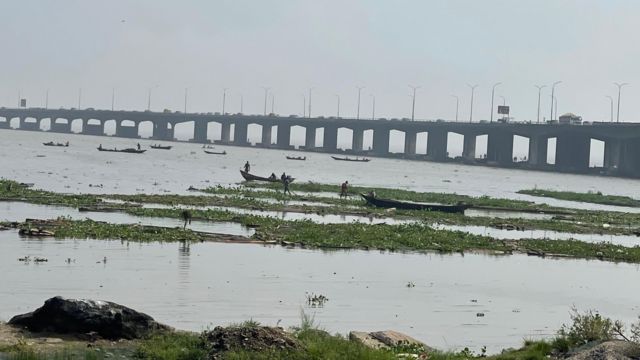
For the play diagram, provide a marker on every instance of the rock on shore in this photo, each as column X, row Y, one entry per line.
column 102, row 318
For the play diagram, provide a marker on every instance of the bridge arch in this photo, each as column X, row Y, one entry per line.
column 455, row 142
column 45, row 124
column 110, row 127
column 596, row 153
column 254, row 133
column 77, row 126
column 184, row 130
column 214, row 131
column 297, row 135
column 421, row 142
column 145, row 129
column 345, row 138
column 396, row 141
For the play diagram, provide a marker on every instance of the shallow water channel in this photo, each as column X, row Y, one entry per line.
column 19, row 211
column 205, row 284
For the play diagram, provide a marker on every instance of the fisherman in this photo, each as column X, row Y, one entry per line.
column 286, row 182
column 100, row 147
column 138, row 146
column 344, row 189
column 273, row 176
column 283, row 177
column 66, row 144
column 247, row 167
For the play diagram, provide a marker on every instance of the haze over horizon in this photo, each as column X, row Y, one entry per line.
column 332, row 46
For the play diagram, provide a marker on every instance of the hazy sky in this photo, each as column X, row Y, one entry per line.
column 330, row 45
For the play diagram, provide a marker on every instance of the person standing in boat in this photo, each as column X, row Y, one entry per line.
column 283, row 177
column 247, row 167
column 344, row 190
column 138, row 146
column 100, row 147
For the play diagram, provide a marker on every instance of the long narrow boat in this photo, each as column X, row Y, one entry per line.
column 301, row 158
column 128, row 150
column 215, row 152
column 251, row 177
column 410, row 205
column 161, row 147
column 350, row 159
column 51, row 143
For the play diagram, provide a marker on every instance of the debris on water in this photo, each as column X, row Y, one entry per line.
column 69, row 260
column 25, row 259
column 314, row 300
column 40, row 259
column 411, row 284
column 479, row 314
column 35, row 232
column 474, row 300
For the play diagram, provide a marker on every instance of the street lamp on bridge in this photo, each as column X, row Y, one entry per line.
column 338, row 112
column 46, row 99
column 80, row 98
column 473, row 88
column 619, row 89
column 553, row 88
column 457, row 103
column 540, row 87
column 224, row 99
column 493, row 91
column 113, row 98
column 358, row 111
column 611, row 103
column 266, row 92
column 149, row 97
column 309, row 112
column 373, row 110
column 413, row 103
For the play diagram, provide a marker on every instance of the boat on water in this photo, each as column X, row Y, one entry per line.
column 350, row 159
column 301, row 158
column 161, row 147
column 51, row 143
column 215, row 152
column 251, row 177
column 410, row 205
column 127, row 150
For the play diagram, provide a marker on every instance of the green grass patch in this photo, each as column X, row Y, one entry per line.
column 589, row 197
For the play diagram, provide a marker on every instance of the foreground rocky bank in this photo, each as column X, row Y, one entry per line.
column 76, row 329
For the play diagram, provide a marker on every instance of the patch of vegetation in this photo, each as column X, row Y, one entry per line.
column 589, row 197
column 172, row 346
column 14, row 191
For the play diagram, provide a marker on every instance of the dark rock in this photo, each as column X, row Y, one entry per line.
column 248, row 338
column 70, row 316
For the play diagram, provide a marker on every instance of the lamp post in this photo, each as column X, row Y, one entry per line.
column 493, row 92
column 540, row 87
column 186, row 93
column 373, row 110
column 273, row 101
column 113, row 98
column 473, row 88
column 413, row 103
column 338, row 112
column 241, row 103
column 553, row 89
column 149, row 97
column 46, row 99
column 309, row 112
column 304, row 105
column 457, row 103
column 555, row 102
column 79, row 98
column 224, row 99
column 619, row 89
column 358, row 111
column 611, row 103
column 266, row 92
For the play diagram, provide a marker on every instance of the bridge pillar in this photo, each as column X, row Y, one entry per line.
column 240, row 134
column 538, row 150
column 126, row 131
column 225, row 136
column 381, row 141
column 629, row 164
column 500, row 147
column 59, row 127
column 5, row 124
column 284, row 136
column 266, row 135
column 310, row 138
column 24, row 125
column 469, row 146
column 358, row 140
column 572, row 152
column 161, row 131
column 410, row 138
column 92, row 129
column 437, row 145
column 330, row 138
column 200, row 131
column 612, row 154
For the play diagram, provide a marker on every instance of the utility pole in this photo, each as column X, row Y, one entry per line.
column 224, row 99
column 611, row 103
column 619, row 89
column 338, row 113
column 309, row 112
column 540, row 87
column 46, row 100
column 113, row 98
column 266, row 92
column 273, row 100
column 373, row 110
column 413, row 103
column 358, row 112
column 186, row 93
column 553, row 89
column 493, row 92
column 241, row 103
column 473, row 88
column 79, row 98
column 304, row 105
column 457, row 103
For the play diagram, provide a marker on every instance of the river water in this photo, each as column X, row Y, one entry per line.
column 210, row 284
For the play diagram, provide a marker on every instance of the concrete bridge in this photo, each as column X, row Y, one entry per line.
column 621, row 154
